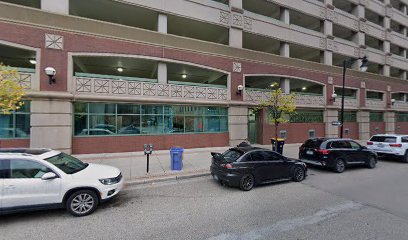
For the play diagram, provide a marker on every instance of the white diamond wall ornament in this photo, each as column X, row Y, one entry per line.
column 236, row 67
column 54, row 41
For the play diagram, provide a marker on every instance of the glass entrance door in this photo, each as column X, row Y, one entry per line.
column 252, row 126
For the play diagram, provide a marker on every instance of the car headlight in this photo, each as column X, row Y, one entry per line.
column 110, row 181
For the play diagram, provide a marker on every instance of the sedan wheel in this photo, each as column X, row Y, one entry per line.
column 82, row 203
column 340, row 166
column 371, row 162
column 247, row 182
column 299, row 175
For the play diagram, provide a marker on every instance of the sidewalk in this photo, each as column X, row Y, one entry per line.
column 196, row 162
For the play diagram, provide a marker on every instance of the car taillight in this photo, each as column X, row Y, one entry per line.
column 395, row 145
column 323, row 151
column 370, row 143
column 226, row 165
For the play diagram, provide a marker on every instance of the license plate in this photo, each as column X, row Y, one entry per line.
column 380, row 145
column 216, row 177
column 309, row 152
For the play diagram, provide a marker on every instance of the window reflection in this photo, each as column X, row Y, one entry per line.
column 16, row 124
column 131, row 119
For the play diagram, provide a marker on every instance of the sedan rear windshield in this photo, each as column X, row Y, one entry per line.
column 68, row 164
column 232, row 155
column 385, row 139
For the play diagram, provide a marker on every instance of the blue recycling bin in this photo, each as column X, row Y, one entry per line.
column 176, row 156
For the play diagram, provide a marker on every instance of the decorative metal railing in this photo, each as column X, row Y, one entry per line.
column 302, row 100
column 26, row 79
column 376, row 104
column 348, row 102
column 400, row 105
column 307, row 117
column 84, row 85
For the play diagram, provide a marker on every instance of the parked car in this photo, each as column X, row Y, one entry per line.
column 12, row 133
column 390, row 145
column 246, row 167
column 95, row 131
column 111, row 128
column 336, row 154
column 130, row 129
column 33, row 179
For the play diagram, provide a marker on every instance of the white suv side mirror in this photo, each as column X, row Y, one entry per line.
column 49, row 176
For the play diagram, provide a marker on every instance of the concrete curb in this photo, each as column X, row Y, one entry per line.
column 133, row 182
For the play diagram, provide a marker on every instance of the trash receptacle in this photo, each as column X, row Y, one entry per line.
column 281, row 143
column 176, row 156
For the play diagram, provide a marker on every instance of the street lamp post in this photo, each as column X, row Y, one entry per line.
column 347, row 64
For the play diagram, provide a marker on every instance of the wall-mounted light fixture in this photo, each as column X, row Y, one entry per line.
column 184, row 76
column 119, row 69
column 33, row 61
column 50, row 71
column 392, row 102
column 240, row 88
column 333, row 97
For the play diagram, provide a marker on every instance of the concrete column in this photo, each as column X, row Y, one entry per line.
column 235, row 3
column 404, row 53
column 284, row 49
column 237, row 124
column 328, row 28
column 162, row 73
column 387, row 22
column 403, row 75
column 359, row 39
column 359, row 11
column 386, row 70
column 162, row 23
column 51, row 125
column 389, row 118
column 363, row 119
column 235, row 37
column 404, row 9
column 328, row 2
column 286, row 86
column 387, row 47
column 56, row 6
column 326, row 57
column 331, row 115
column 404, row 31
column 285, row 15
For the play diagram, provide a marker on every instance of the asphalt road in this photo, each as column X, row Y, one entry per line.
column 358, row 204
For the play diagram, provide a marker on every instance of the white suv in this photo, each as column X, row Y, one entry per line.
column 32, row 179
column 392, row 145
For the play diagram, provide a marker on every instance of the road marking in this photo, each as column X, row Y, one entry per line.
column 290, row 224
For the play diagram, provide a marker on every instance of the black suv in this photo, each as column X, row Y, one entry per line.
column 336, row 154
column 246, row 167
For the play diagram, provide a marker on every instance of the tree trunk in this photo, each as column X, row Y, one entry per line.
column 275, row 147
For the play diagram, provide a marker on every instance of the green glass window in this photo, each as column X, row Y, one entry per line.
column 306, row 117
column 16, row 124
column 132, row 119
column 402, row 117
column 194, row 124
column 375, row 95
column 376, row 117
column 348, row 93
column 349, row 116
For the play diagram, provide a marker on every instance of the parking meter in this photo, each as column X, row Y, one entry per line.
column 148, row 149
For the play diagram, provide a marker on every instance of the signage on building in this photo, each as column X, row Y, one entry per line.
column 336, row 123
